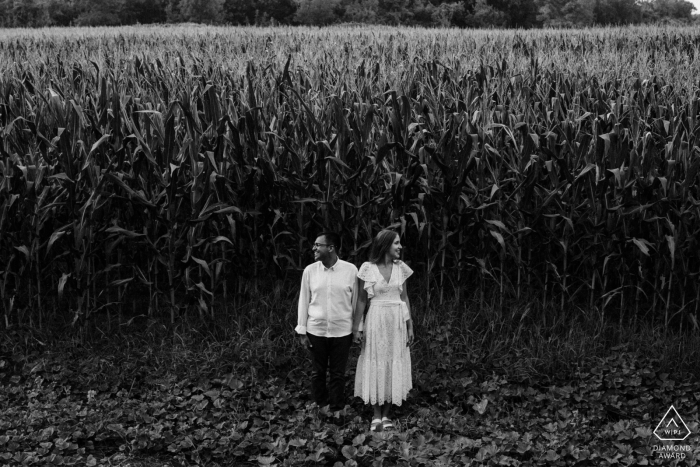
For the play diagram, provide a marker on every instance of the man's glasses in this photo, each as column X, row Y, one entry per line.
column 319, row 245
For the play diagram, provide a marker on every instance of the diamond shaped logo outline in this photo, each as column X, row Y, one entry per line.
column 675, row 414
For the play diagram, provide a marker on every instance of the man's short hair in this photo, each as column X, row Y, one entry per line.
column 332, row 238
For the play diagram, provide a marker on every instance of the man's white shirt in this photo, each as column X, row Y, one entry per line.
column 327, row 299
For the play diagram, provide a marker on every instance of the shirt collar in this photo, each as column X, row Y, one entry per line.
column 332, row 268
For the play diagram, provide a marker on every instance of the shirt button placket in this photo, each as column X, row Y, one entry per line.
column 328, row 301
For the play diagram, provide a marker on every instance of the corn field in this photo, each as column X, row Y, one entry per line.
column 166, row 171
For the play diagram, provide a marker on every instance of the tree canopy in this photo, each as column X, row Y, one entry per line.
column 456, row 13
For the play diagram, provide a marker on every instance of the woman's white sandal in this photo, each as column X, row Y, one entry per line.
column 376, row 425
column 386, row 423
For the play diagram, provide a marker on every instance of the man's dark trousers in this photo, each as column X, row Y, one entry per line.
column 329, row 354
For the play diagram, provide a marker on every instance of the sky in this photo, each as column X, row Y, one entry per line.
column 697, row 6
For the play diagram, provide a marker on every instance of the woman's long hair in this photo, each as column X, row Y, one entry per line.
column 381, row 244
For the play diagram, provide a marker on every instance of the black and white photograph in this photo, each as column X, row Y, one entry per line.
column 349, row 233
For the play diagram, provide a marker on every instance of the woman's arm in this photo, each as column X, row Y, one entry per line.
column 409, row 321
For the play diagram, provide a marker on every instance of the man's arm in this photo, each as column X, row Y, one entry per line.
column 358, row 315
column 355, row 293
column 303, row 309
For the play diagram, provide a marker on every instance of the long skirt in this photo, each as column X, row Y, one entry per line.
column 384, row 366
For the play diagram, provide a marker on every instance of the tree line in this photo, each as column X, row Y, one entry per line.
column 455, row 13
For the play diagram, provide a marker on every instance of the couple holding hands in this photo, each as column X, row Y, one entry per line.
column 332, row 302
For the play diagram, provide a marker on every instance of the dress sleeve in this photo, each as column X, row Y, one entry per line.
column 366, row 273
column 405, row 274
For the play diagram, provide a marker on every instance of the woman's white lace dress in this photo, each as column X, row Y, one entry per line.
column 384, row 367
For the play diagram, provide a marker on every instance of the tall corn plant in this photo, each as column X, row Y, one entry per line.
column 192, row 175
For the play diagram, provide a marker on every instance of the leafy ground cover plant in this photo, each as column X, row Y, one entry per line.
column 236, row 394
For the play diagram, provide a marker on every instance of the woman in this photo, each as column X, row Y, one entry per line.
column 384, row 368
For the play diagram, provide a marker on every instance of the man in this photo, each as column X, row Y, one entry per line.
column 326, row 303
